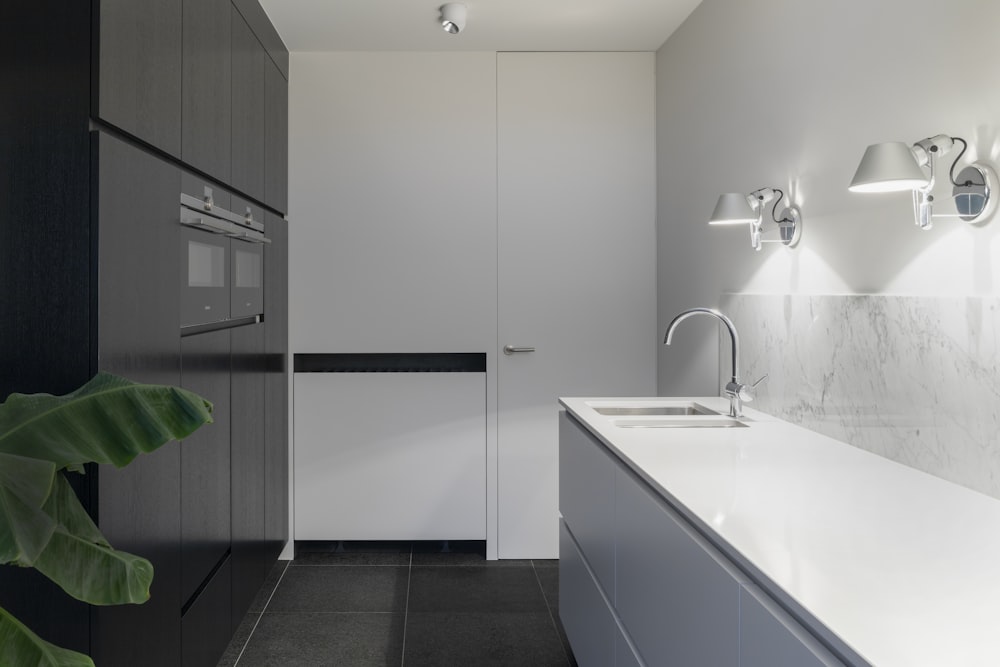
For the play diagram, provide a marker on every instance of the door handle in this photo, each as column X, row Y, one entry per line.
column 511, row 349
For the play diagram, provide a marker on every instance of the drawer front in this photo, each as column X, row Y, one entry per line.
column 624, row 655
column 769, row 636
column 675, row 597
column 587, row 498
column 589, row 623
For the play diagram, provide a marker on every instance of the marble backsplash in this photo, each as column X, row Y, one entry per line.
column 914, row 379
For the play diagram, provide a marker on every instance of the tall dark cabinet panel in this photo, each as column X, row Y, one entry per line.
column 249, row 60
column 45, row 229
column 206, row 118
column 45, row 238
column 206, row 587
column 138, row 60
column 276, row 386
column 138, row 507
column 205, row 463
column 276, row 136
column 249, row 564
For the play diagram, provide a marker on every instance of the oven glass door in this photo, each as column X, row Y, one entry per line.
column 204, row 277
column 247, row 279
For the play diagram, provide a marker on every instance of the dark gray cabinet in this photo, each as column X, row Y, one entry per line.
column 206, row 89
column 205, row 463
column 204, row 633
column 248, row 467
column 114, row 100
column 276, row 386
column 138, row 507
column 249, row 62
column 138, row 69
column 276, row 137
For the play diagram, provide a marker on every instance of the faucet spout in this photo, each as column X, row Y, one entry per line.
column 735, row 390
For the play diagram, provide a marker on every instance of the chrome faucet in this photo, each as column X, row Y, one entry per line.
column 735, row 390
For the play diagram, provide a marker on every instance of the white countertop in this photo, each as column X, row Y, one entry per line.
column 902, row 566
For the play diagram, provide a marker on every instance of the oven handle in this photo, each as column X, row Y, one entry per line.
column 249, row 237
column 206, row 225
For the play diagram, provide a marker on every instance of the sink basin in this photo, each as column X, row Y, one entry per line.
column 675, row 409
column 672, row 410
column 680, row 422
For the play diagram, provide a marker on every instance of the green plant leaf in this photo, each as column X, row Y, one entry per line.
column 79, row 559
column 25, row 528
column 108, row 420
column 20, row 646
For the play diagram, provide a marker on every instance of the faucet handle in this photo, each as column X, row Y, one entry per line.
column 746, row 392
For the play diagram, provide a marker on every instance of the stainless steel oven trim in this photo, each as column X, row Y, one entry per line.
column 214, row 224
column 206, row 205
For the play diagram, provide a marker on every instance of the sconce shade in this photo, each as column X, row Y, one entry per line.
column 888, row 167
column 732, row 208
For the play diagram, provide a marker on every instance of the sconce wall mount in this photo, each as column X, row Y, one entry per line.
column 734, row 208
column 895, row 166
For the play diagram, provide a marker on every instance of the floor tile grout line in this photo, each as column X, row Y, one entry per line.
column 261, row 615
column 406, row 609
column 552, row 617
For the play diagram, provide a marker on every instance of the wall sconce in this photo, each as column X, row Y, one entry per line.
column 894, row 167
column 453, row 17
column 734, row 208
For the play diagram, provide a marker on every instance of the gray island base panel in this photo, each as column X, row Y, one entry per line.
column 768, row 545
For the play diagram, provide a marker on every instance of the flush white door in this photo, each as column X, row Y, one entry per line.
column 577, row 263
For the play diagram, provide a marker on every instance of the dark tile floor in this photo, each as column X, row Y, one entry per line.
column 421, row 604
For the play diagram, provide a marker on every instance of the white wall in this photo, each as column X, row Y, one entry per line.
column 788, row 94
column 392, row 177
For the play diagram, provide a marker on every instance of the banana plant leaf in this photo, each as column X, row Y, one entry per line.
column 108, row 420
column 25, row 528
column 21, row 646
column 79, row 559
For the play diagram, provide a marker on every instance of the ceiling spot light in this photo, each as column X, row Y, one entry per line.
column 453, row 17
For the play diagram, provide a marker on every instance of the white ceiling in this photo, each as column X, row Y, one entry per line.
column 493, row 25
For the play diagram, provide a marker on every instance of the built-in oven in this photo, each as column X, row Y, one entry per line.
column 222, row 262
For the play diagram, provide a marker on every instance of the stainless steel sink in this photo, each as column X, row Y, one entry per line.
column 680, row 422
column 677, row 409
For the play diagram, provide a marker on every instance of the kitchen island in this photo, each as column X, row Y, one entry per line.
column 764, row 544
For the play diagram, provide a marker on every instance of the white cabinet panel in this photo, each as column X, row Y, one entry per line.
column 769, row 637
column 390, row 456
column 586, row 617
column 587, row 498
column 678, row 600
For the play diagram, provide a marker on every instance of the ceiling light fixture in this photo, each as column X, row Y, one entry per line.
column 453, row 17
column 734, row 208
column 895, row 167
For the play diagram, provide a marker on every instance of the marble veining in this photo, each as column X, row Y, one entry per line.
column 914, row 379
